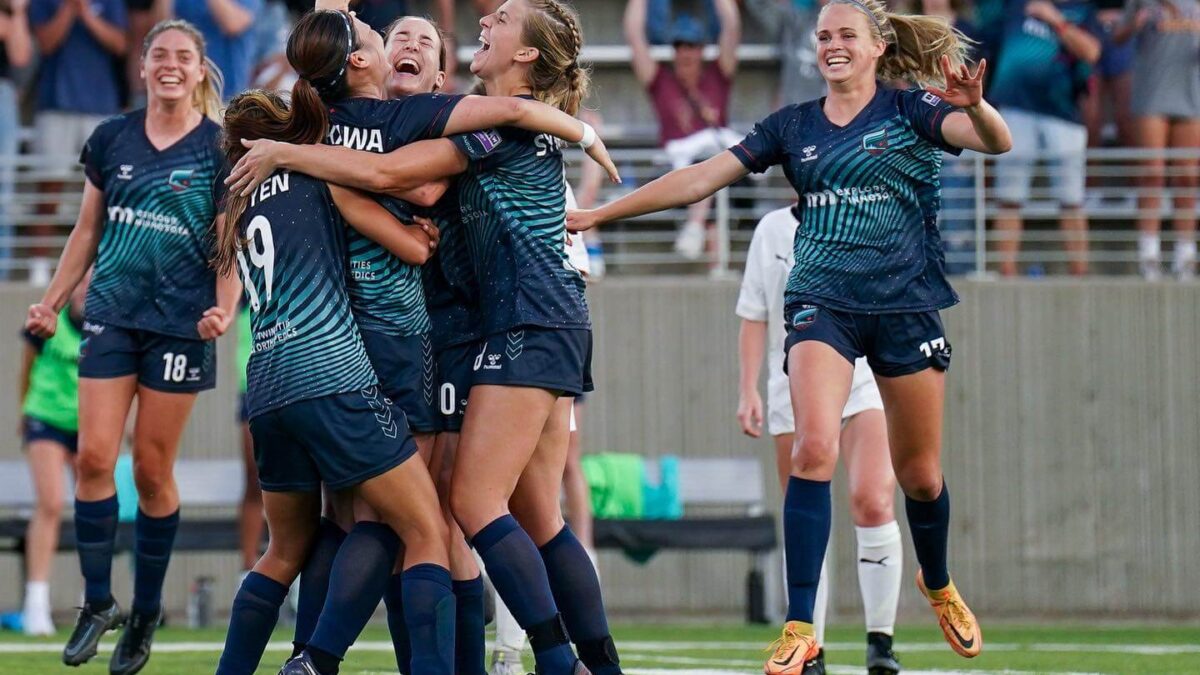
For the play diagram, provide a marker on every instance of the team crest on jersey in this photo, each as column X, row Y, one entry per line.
column 804, row 318
column 126, row 172
column 180, row 179
column 876, row 142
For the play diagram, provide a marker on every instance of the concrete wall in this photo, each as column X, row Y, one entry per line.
column 1072, row 446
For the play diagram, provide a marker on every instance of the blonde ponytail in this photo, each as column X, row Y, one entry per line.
column 916, row 43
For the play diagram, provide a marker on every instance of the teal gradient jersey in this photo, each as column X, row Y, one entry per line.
column 386, row 292
column 451, row 289
column 869, row 194
column 1034, row 71
column 151, row 270
column 306, row 343
column 513, row 204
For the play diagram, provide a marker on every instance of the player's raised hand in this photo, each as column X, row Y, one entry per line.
column 964, row 89
column 599, row 153
column 213, row 323
column 750, row 413
column 581, row 220
column 255, row 166
column 42, row 321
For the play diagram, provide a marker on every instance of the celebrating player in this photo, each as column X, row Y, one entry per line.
column 868, row 277
column 153, row 310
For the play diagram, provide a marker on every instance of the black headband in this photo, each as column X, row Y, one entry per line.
column 330, row 84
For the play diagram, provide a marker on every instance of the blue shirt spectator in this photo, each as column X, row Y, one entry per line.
column 227, row 26
column 1036, row 71
column 79, row 40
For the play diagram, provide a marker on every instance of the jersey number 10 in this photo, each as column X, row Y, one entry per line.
column 260, row 245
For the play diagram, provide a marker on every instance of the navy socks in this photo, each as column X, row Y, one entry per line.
column 519, row 575
column 929, row 523
column 577, row 594
column 357, row 581
column 393, row 600
column 429, row 609
column 806, row 522
column 251, row 621
column 314, row 580
column 152, row 552
column 469, row 649
column 95, row 533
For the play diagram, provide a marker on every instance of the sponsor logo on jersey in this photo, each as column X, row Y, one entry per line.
column 853, row 195
column 180, row 179
column 876, row 142
column 143, row 218
column 126, row 172
column 804, row 318
column 931, row 98
column 93, row 328
column 810, row 153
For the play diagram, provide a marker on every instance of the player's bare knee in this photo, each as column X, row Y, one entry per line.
column 153, row 478
column 920, row 484
column 871, row 508
column 815, row 454
column 95, row 465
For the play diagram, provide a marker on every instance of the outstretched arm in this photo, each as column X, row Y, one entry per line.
column 410, row 243
column 395, row 173
column 678, row 188
column 979, row 126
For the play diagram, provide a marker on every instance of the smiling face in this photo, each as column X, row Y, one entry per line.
column 847, row 49
column 501, row 41
column 172, row 67
column 414, row 52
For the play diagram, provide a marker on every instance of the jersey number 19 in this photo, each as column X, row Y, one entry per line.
column 260, row 244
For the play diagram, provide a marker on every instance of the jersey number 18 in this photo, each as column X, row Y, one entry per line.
column 260, row 245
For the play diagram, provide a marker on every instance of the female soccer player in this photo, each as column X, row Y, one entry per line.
column 153, row 310
column 315, row 406
column 50, row 431
column 868, row 278
column 863, row 439
column 535, row 326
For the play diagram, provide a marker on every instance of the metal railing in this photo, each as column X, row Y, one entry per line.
column 34, row 221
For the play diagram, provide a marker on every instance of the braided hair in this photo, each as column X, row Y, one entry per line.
column 556, row 77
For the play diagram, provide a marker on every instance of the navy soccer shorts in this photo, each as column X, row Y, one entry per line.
column 340, row 439
column 405, row 367
column 161, row 362
column 455, row 374
column 37, row 430
column 894, row 344
column 556, row 359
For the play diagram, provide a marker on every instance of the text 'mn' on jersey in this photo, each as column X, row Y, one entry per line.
column 151, row 270
column 386, row 292
column 869, row 194
column 513, row 207
column 306, row 343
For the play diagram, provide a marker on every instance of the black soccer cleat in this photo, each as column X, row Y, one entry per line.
column 301, row 665
column 89, row 628
column 133, row 649
column 580, row 669
column 881, row 660
column 816, row 665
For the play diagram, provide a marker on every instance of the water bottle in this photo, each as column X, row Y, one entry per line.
column 199, row 610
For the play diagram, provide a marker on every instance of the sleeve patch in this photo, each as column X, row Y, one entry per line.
column 931, row 99
column 488, row 139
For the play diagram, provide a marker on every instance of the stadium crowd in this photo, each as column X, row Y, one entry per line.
column 1070, row 75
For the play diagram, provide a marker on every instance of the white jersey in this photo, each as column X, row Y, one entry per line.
column 761, row 299
column 577, row 253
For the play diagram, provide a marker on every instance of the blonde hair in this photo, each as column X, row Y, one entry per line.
column 206, row 97
column 916, row 43
column 556, row 78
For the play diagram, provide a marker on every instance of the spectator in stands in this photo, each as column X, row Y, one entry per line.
column 660, row 15
column 141, row 16
column 1166, row 106
column 16, row 51
column 1044, row 63
column 1112, row 86
column 228, row 30
column 796, row 20
column 271, row 68
column 80, row 41
column 690, row 98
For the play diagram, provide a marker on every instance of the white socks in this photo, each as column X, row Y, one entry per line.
column 822, row 604
column 36, row 612
column 1149, row 247
column 509, row 634
column 880, row 566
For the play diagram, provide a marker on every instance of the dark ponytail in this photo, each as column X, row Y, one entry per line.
column 261, row 114
column 319, row 50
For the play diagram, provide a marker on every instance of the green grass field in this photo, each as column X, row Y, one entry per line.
column 723, row 650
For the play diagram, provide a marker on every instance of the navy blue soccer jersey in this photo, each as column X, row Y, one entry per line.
column 513, row 205
column 869, row 194
column 151, row 270
column 306, row 343
column 386, row 292
column 451, row 290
